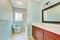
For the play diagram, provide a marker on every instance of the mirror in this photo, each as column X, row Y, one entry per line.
column 51, row 14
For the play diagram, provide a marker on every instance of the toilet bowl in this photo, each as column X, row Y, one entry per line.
column 17, row 29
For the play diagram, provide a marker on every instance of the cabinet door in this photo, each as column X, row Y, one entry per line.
column 48, row 38
column 37, row 33
column 50, row 35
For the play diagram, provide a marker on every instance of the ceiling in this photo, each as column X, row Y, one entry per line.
column 14, row 3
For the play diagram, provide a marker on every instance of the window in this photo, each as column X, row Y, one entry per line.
column 18, row 17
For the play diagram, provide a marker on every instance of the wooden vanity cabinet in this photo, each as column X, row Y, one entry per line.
column 37, row 33
column 50, row 35
column 46, row 37
column 42, row 34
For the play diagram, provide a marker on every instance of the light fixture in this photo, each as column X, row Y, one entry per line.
column 19, row 2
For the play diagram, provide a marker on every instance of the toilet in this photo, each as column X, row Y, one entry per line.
column 16, row 29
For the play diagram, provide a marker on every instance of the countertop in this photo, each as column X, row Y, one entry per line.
column 55, row 28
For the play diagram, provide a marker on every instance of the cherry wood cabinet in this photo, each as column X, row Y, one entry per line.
column 37, row 33
column 42, row 34
column 46, row 37
column 50, row 35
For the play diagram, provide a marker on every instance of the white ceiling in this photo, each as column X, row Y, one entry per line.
column 14, row 3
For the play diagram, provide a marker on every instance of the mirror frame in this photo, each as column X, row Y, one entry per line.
column 49, row 8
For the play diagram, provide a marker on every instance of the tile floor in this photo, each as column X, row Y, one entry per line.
column 30, row 39
column 18, row 36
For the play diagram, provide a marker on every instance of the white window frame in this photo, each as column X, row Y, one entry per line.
column 18, row 16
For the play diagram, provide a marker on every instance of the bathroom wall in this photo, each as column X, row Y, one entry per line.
column 6, row 19
column 51, row 2
column 29, row 17
column 33, row 8
column 36, row 12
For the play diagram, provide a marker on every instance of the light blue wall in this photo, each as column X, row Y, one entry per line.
column 33, row 13
column 29, row 17
column 7, row 15
column 36, row 12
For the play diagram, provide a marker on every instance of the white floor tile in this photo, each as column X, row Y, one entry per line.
column 19, row 36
